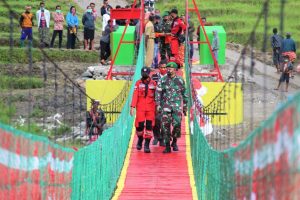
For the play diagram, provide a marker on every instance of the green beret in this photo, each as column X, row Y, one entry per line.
column 166, row 13
column 172, row 65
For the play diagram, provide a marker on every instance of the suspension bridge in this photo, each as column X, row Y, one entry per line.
column 220, row 161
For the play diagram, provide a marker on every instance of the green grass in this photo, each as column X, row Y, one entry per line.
column 21, row 55
column 238, row 17
column 6, row 112
column 25, row 82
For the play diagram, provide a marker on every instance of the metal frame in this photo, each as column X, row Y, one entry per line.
column 132, row 13
column 216, row 71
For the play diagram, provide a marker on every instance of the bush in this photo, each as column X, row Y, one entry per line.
column 6, row 112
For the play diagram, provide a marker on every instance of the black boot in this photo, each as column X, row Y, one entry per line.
column 168, row 148
column 155, row 141
column 162, row 143
column 139, row 145
column 146, row 147
column 174, row 144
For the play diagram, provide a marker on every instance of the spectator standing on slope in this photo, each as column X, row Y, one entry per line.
column 276, row 42
column 43, row 22
column 59, row 20
column 89, row 29
column 72, row 22
column 26, row 23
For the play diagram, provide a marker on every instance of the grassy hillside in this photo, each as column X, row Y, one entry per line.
column 20, row 55
column 239, row 16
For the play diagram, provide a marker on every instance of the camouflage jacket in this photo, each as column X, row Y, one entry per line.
column 170, row 92
column 166, row 28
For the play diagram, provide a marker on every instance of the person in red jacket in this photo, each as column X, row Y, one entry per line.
column 177, row 30
column 144, row 103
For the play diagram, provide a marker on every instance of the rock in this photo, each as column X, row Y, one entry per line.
column 91, row 69
column 87, row 74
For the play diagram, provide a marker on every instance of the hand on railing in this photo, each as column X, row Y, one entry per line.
column 131, row 111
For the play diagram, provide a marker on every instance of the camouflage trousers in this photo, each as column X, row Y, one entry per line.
column 44, row 35
column 171, row 118
column 164, row 50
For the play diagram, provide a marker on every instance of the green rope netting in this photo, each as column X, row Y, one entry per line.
column 264, row 166
column 97, row 167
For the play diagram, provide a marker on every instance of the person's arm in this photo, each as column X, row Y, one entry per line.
column 37, row 17
column 76, row 21
column 103, row 10
column 68, row 20
column 191, row 27
column 184, row 96
column 62, row 17
column 103, row 119
column 83, row 19
column 294, row 47
column 218, row 43
column 89, row 120
column 158, row 94
column 135, row 95
column 147, row 35
column 32, row 20
column 134, row 99
column 21, row 20
column 48, row 18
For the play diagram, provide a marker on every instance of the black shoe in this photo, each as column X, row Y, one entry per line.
column 155, row 141
column 174, row 140
column 175, row 147
column 139, row 145
column 162, row 143
column 168, row 148
column 146, row 147
column 174, row 144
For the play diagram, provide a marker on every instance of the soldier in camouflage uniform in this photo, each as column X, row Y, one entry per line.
column 170, row 92
column 165, row 40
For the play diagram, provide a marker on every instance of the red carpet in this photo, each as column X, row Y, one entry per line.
column 157, row 175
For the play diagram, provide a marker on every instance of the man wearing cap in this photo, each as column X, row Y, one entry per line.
column 170, row 92
column 165, row 48
column 149, row 40
column 158, row 137
column 95, row 120
column 26, row 24
column 177, row 29
column 143, row 102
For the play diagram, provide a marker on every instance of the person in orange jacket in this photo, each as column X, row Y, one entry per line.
column 177, row 30
column 144, row 103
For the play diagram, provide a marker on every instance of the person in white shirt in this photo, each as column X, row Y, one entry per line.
column 105, row 19
column 43, row 22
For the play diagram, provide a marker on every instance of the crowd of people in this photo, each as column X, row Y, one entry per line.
column 284, row 57
column 164, row 32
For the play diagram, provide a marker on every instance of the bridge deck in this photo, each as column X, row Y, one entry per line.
column 157, row 175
